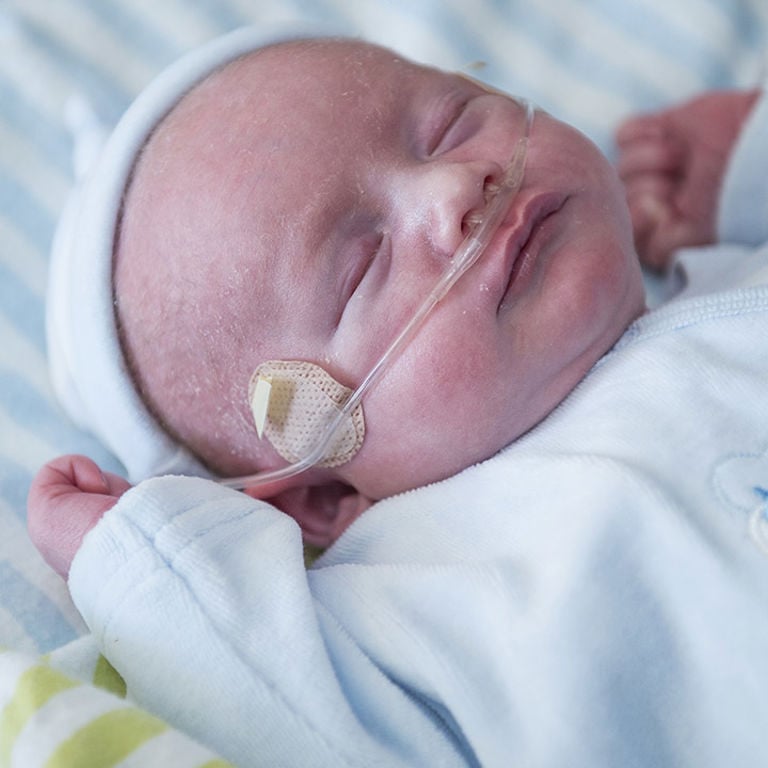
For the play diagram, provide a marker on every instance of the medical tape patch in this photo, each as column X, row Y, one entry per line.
column 292, row 402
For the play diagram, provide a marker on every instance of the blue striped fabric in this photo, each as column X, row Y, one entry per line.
column 30, row 603
column 591, row 61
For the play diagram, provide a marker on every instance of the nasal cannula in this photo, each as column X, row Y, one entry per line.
column 465, row 256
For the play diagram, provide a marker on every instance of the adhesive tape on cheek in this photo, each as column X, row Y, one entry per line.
column 292, row 401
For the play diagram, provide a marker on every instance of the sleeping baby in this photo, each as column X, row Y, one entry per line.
column 546, row 536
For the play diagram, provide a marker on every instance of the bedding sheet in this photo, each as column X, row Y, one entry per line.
column 68, row 68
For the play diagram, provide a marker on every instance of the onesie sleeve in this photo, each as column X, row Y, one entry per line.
column 743, row 211
column 199, row 597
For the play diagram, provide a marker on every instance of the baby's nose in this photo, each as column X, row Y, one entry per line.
column 451, row 197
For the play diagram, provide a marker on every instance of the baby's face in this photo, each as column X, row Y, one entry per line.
column 336, row 181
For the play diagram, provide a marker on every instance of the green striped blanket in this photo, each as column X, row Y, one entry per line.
column 50, row 719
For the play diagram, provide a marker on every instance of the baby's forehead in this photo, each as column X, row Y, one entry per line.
column 275, row 87
column 303, row 65
column 286, row 105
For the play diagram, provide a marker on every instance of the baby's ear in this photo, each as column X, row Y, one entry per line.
column 322, row 511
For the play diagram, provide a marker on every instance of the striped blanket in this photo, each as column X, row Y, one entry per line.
column 67, row 70
column 61, row 721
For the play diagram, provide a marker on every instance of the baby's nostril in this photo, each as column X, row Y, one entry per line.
column 470, row 221
column 491, row 188
column 490, row 191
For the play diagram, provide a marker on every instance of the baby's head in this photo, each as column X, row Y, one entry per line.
column 299, row 202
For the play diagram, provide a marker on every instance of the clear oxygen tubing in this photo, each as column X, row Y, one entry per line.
column 465, row 256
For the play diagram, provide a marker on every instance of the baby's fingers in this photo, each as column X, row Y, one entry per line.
column 647, row 144
column 643, row 127
column 67, row 474
column 671, row 233
column 116, row 485
column 649, row 200
column 68, row 497
column 664, row 156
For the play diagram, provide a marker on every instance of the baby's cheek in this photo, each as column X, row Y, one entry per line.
column 445, row 390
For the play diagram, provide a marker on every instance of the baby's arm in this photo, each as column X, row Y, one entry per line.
column 672, row 164
column 199, row 597
column 68, row 497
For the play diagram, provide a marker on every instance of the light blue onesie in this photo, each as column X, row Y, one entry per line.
column 594, row 595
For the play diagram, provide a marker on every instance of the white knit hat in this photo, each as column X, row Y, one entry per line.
column 89, row 374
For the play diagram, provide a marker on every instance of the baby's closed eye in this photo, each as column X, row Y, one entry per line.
column 365, row 254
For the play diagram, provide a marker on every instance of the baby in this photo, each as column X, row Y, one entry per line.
column 293, row 239
column 296, row 203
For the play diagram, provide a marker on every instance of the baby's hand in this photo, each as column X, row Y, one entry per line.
column 67, row 498
column 672, row 164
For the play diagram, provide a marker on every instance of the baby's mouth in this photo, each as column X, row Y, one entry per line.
column 523, row 245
